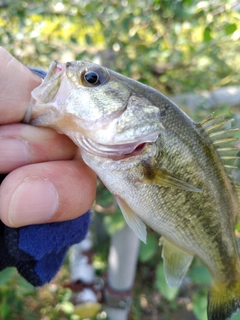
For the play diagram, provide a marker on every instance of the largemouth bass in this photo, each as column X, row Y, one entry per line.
column 164, row 169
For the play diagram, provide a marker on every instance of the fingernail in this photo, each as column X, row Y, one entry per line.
column 34, row 201
column 14, row 154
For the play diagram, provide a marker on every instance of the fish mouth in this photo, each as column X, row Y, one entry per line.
column 118, row 151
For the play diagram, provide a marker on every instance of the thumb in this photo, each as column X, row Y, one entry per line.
column 16, row 84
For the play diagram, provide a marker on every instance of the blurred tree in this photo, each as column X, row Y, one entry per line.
column 175, row 46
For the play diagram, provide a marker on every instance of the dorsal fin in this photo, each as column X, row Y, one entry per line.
column 224, row 140
column 216, row 123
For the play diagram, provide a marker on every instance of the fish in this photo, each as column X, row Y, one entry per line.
column 164, row 169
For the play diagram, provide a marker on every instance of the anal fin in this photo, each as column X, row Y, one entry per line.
column 133, row 221
column 176, row 262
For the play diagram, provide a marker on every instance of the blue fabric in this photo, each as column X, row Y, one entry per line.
column 42, row 239
column 41, row 73
column 48, row 243
column 37, row 251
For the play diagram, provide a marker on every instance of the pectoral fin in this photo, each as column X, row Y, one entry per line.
column 161, row 177
column 133, row 221
column 176, row 262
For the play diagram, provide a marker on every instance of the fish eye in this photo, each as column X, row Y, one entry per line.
column 91, row 77
column 94, row 77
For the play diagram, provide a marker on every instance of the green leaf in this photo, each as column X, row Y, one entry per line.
column 237, row 227
column 148, row 250
column 199, row 275
column 6, row 275
column 168, row 292
column 114, row 223
column 5, row 310
column 88, row 39
column 24, row 287
column 73, row 39
column 200, row 306
column 230, row 28
column 207, row 34
column 104, row 197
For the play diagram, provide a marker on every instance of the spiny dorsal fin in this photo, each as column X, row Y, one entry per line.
column 216, row 123
column 224, row 140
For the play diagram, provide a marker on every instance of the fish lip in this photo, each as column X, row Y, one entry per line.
column 56, row 70
column 118, row 151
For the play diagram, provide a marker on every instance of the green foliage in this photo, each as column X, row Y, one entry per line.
column 13, row 292
column 207, row 34
column 200, row 305
column 6, row 275
column 20, row 301
column 174, row 46
column 105, row 203
column 148, row 250
column 230, row 28
column 114, row 223
column 199, row 275
column 104, row 197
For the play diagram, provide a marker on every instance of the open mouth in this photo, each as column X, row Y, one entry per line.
column 118, row 151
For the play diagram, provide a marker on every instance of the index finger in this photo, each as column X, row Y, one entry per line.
column 16, row 84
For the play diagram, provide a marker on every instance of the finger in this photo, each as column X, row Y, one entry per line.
column 21, row 144
column 16, row 84
column 46, row 192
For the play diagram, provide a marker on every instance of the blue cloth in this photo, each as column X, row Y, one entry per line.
column 37, row 251
column 38, row 72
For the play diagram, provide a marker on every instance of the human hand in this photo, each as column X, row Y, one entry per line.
column 44, row 183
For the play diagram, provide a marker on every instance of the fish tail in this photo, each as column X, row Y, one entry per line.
column 223, row 300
